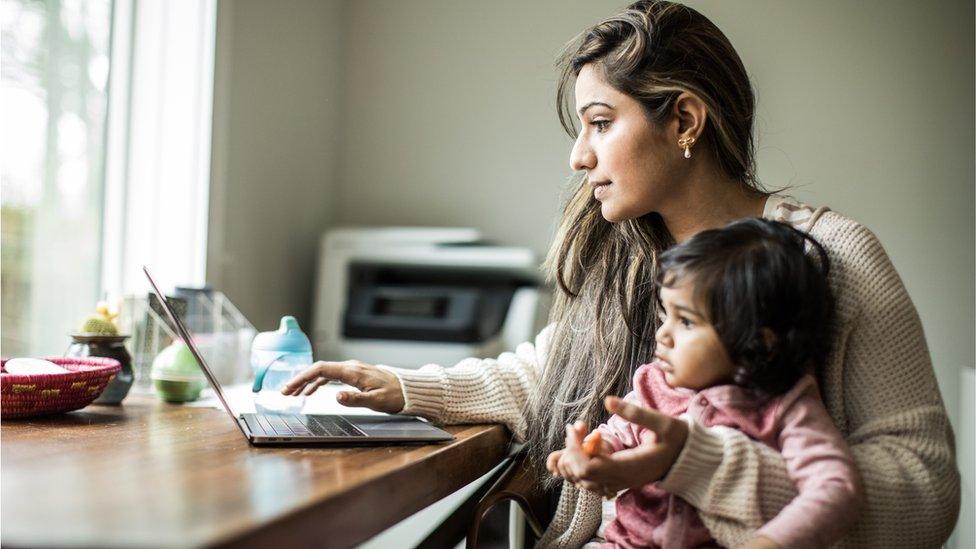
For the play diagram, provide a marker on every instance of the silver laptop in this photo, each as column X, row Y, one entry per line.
column 310, row 428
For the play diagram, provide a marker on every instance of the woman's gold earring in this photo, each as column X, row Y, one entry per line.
column 686, row 143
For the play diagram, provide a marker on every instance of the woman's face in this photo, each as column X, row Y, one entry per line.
column 630, row 164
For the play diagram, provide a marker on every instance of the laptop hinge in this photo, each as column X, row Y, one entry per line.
column 245, row 427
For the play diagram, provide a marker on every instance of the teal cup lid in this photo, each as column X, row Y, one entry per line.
column 288, row 338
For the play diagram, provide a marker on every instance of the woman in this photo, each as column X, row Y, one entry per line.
column 666, row 150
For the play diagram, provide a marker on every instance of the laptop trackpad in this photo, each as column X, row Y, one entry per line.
column 390, row 425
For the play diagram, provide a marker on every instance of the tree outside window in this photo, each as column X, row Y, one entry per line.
column 55, row 66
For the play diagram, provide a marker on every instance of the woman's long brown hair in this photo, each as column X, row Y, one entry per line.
column 605, row 310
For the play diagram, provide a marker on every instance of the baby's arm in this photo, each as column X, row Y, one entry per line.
column 613, row 436
column 820, row 464
column 581, row 447
column 622, row 434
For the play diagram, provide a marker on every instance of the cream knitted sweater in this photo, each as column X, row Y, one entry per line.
column 878, row 385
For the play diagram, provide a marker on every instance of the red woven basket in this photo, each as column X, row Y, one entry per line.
column 34, row 395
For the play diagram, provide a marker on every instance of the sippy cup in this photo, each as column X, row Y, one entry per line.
column 276, row 357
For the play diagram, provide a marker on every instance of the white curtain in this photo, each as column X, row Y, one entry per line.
column 159, row 129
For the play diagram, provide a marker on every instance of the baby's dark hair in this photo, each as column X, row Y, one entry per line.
column 754, row 279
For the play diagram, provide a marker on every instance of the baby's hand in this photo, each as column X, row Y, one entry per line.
column 552, row 462
column 568, row 463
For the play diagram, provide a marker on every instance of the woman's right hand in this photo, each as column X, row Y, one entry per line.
column 379, row 389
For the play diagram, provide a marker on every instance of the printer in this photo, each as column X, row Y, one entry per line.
column 409, row 296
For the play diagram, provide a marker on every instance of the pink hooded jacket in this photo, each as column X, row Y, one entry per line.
column 795, row 423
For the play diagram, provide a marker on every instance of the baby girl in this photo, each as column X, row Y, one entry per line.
column 745, row 316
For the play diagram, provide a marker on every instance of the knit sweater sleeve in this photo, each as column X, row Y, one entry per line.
column 881, row 391
column 492, row 390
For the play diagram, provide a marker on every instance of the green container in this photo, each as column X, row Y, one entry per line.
column 177, row 391
column 176, row 376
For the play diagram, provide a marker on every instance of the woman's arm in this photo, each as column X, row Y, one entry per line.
column 895, row 421
column 477, row 390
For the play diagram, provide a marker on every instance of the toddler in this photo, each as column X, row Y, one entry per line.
column 745, row 315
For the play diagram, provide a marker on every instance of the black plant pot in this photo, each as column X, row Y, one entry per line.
column 108, row 346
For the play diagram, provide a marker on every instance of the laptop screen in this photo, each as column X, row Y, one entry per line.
column 188, row 339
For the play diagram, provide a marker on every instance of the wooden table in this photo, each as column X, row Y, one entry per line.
column 155, row 474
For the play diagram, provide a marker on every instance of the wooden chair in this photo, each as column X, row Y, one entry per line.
column 512, row 482
column 517, row 485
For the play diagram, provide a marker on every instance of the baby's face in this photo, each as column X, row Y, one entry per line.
column 688, row 347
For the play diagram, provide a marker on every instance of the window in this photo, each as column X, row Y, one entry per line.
column 104, row 170
column 55, row 63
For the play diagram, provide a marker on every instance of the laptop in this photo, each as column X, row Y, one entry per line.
column 262, row 429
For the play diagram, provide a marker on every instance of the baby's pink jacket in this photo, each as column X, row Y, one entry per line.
column 795, row 423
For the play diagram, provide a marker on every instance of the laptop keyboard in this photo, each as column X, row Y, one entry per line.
column 301, row 425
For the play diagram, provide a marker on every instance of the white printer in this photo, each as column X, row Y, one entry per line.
column 407, row 297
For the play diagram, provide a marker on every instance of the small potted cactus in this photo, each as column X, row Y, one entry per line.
column 99, row 336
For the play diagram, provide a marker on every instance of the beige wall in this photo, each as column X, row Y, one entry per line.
column 864, row 106
column 276, row 105
column 439, row 112
column 448, row 115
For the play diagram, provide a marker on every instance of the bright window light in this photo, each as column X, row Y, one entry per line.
column 106, row 157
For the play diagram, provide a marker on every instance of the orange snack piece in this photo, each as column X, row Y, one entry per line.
column 591, row 445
